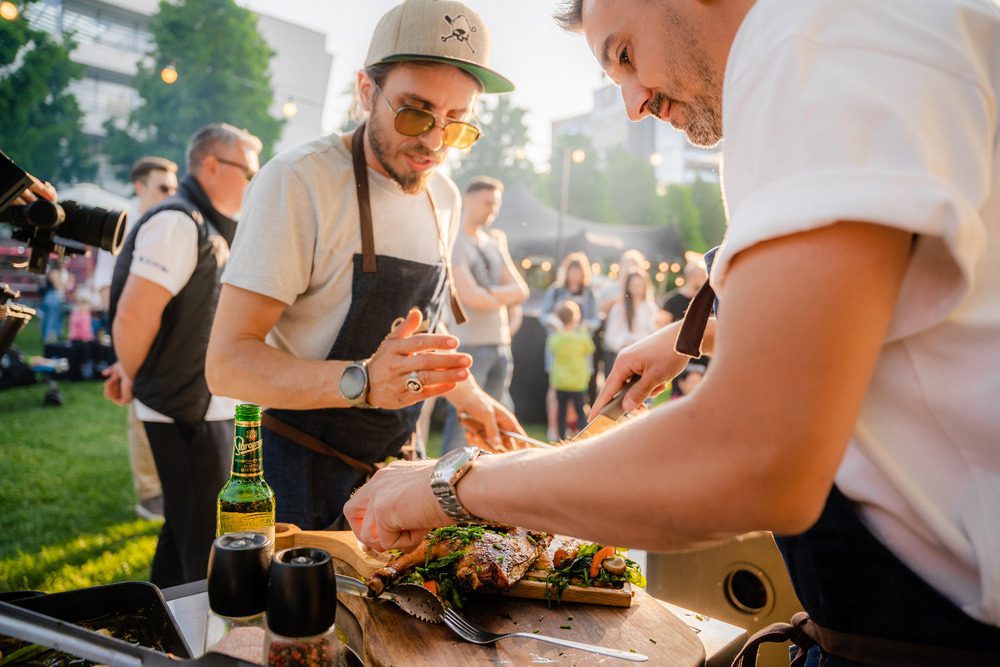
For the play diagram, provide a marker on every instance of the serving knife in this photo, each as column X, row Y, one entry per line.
column 610, row 414
column 413, row 599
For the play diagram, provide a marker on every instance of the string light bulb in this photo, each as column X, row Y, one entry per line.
column 169, row 74
column 8, row 10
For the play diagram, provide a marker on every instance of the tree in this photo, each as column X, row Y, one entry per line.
column 222, row 64
column 632, row 188
column 707, row 197
column 588, row 183
column 41, row 127
column 682, row 212
column 500, row 150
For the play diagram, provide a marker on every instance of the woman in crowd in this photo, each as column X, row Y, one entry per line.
column 633, row 318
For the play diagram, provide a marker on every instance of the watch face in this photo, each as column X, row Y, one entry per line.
column 352, row 382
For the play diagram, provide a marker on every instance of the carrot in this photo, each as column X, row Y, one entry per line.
column 602, row 553
column 432, row 586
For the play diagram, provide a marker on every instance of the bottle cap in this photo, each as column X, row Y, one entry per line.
column 301, row 593
column 237, row 574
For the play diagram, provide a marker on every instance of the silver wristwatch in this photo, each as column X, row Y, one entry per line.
column 354, row 384
column 449, row 470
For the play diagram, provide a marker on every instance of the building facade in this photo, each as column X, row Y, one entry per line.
column 674, row 160
column 112, row 37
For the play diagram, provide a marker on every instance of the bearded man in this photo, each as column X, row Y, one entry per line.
column 338, row 280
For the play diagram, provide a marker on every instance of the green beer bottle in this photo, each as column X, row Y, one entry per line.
column 246, row 502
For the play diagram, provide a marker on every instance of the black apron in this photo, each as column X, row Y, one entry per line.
column 382, row 289
column 863, row 605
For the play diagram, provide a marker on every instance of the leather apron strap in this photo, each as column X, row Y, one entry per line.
column 368, row 261
column 695, row 320
column 272, row 423
column 806, row 633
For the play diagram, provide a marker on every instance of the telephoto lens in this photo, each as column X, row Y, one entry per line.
column 93, row 225
column 301, row 609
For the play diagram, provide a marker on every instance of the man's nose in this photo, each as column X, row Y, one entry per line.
column 636, row 98
column 433, row 138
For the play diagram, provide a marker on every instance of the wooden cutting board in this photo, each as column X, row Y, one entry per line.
column 393, row 638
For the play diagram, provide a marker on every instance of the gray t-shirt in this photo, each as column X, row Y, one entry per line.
column 299, row 231
column 484, row 257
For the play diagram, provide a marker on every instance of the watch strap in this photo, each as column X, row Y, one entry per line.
column 446, row 488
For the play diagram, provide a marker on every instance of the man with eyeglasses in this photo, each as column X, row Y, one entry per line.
column 163, row 296
column 154, row 179
column 339, row 278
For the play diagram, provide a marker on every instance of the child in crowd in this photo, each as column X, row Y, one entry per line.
column 81, row 326
column 572, row 350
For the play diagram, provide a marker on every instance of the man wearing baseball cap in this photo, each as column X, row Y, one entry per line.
column 339, row 278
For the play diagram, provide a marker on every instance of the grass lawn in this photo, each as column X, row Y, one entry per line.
column 67, row 516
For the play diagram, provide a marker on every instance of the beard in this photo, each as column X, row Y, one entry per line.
column 409, row 182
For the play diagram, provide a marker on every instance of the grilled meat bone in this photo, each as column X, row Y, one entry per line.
column 493, row 557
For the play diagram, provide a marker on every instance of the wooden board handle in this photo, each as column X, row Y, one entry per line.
column 340, row 544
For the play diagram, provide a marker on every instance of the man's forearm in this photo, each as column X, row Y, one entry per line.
column 133, row 339
column 251, row 370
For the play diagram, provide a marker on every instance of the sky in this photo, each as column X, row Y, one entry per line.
column 554, row 71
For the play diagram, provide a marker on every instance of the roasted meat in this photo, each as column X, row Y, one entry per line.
column 493, row 557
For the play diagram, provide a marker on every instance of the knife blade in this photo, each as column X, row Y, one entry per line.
column 414, row 600
column 610, row 414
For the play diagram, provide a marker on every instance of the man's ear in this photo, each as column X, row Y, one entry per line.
column 366, row 90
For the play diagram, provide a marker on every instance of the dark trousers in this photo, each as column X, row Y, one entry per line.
column 563, row 398
column 194, row 462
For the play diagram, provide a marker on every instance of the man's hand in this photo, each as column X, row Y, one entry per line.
column 117, row 385
column 652, row 359
column 396, row 508
column 489, row 414
column 34, row 191
column 432, row 357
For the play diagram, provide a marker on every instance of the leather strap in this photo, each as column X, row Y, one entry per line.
column 806, row 633
column 368, row 263
column 695, row 320
column 272, row 423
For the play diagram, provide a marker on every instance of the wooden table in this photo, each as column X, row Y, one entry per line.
column 392, row 637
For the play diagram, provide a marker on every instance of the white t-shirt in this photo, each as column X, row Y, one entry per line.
column 617, row 334
column 887, row 112
column 104, row 266
column 299, row 231
column 166, row 253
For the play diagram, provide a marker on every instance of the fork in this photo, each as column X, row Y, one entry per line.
column 471, row 633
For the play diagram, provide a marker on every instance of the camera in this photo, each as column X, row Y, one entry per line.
column 47, row 227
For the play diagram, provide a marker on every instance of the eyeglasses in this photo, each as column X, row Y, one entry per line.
column 248, row 173
column 412, row 122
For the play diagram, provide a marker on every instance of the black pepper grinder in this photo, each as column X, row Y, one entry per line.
column 301, row 609
column 237, row 583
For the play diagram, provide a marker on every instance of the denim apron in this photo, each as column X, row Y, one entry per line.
column 311, row 487
column 863, row 606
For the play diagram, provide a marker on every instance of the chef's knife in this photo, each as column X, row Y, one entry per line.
column 610, row 414
column 413, row 599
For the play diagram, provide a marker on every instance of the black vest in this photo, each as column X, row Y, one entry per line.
column 172, row 378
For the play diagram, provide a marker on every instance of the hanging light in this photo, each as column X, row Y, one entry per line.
column 525, row 263
column 655, row 159
column 578, row 156
column 169, row 74
column 289, row 108
column 8, row 10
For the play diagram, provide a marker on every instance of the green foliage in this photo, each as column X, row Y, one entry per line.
column 499, row 151
column 41, row 126
column 708, row 198
column 222, row 65
column 589, row 197
column 632, row 189
column 681, row 211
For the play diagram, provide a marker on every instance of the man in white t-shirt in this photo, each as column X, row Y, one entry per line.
column 342, row 257
column 163, row 295
column 852, row 403
column 154, row 179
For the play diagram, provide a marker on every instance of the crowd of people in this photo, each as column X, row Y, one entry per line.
column 850, row 317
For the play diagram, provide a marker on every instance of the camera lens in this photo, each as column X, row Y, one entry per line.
column 93, row 225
